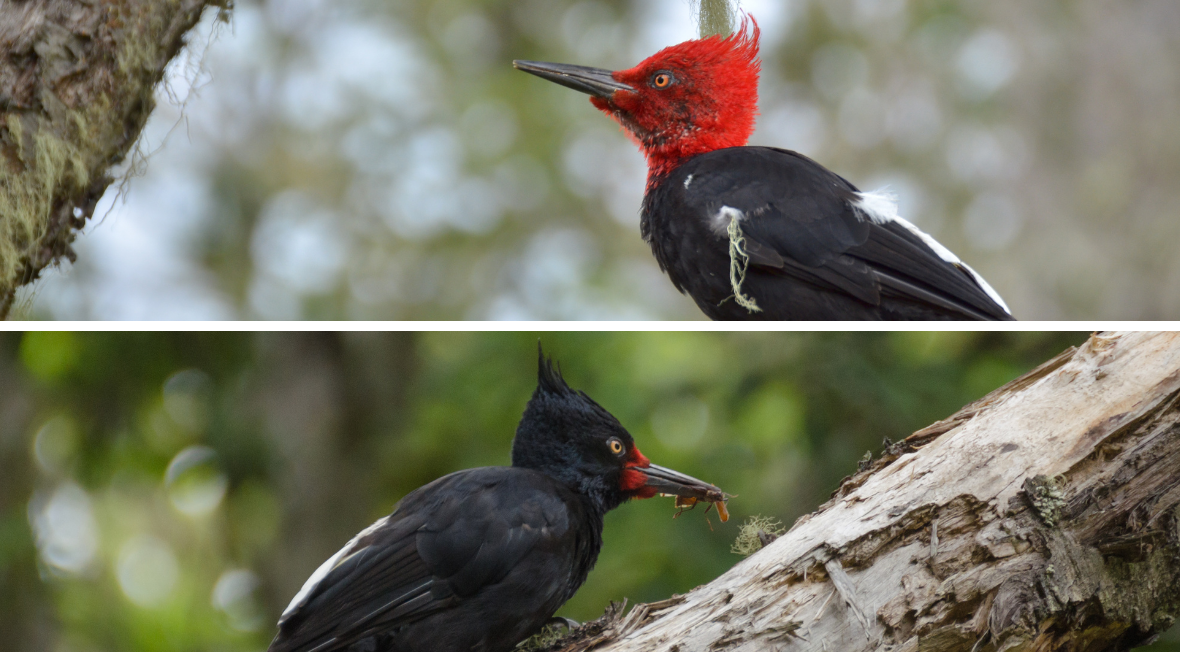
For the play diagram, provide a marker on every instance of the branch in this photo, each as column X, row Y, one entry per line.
column 1045, row 516
column 714, row 17
column 76, row 88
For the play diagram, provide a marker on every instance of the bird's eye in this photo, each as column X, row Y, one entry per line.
column 662, row 79
column 616, row 446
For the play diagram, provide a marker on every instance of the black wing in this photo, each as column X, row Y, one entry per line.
column 800, row 219
column 443, row 543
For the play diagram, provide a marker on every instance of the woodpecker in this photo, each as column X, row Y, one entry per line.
column 762, row 233
column 480, row 559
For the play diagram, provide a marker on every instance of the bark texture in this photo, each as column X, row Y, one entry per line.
column 1045, row 516
column 76, row 87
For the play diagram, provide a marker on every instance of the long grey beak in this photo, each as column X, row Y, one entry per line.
column 675, row 483
column 593, row 81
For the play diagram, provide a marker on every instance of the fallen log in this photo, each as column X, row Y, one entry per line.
column 1045, row 516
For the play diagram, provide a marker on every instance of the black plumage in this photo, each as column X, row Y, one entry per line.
column 806, row 250
column 761, row 233
column 480, row 559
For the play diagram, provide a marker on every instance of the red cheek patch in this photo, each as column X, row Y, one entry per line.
column 635, row 458
column 633, row 480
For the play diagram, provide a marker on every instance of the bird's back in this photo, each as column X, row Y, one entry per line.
column 476, row 560
column 803, row 248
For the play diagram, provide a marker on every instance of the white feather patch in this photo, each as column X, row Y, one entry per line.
column 723, row 217
column 687, row 180
column 320, row 573
column 880, row 207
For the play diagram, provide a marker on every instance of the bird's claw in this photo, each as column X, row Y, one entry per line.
column 569, row 623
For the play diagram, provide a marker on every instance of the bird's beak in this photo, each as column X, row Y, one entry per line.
column 593, row 81
column 675, row 483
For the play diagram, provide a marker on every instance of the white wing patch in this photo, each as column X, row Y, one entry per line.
column 687, row 180
column 986, row 287
column 880, row 207
column 320, row 573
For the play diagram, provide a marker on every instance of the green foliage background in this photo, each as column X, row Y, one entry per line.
column 315, row 435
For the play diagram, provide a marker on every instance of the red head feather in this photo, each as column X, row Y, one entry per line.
column 709, row 102
column 632, row 481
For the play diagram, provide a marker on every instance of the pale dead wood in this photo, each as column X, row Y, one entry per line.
column 1045, row 516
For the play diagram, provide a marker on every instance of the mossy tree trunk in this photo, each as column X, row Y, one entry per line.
column 76, row 87
column 1045, row 516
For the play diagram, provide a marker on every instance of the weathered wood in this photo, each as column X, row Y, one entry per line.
column 1045, row 516
column 76, row 88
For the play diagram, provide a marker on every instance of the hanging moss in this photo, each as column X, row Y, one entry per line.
column 49, row 167
column 739, row 263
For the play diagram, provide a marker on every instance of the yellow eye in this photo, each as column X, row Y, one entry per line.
column 662, row 80
column 616, row 446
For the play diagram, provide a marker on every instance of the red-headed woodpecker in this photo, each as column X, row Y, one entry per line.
column 762, row 232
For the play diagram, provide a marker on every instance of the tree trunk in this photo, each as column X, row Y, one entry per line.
column 76, row 87
column 1045, row 516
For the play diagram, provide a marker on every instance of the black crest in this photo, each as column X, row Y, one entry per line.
column 549, row 378
column 564, row 433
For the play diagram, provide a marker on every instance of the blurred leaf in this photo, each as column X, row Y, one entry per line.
column 49, row 355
